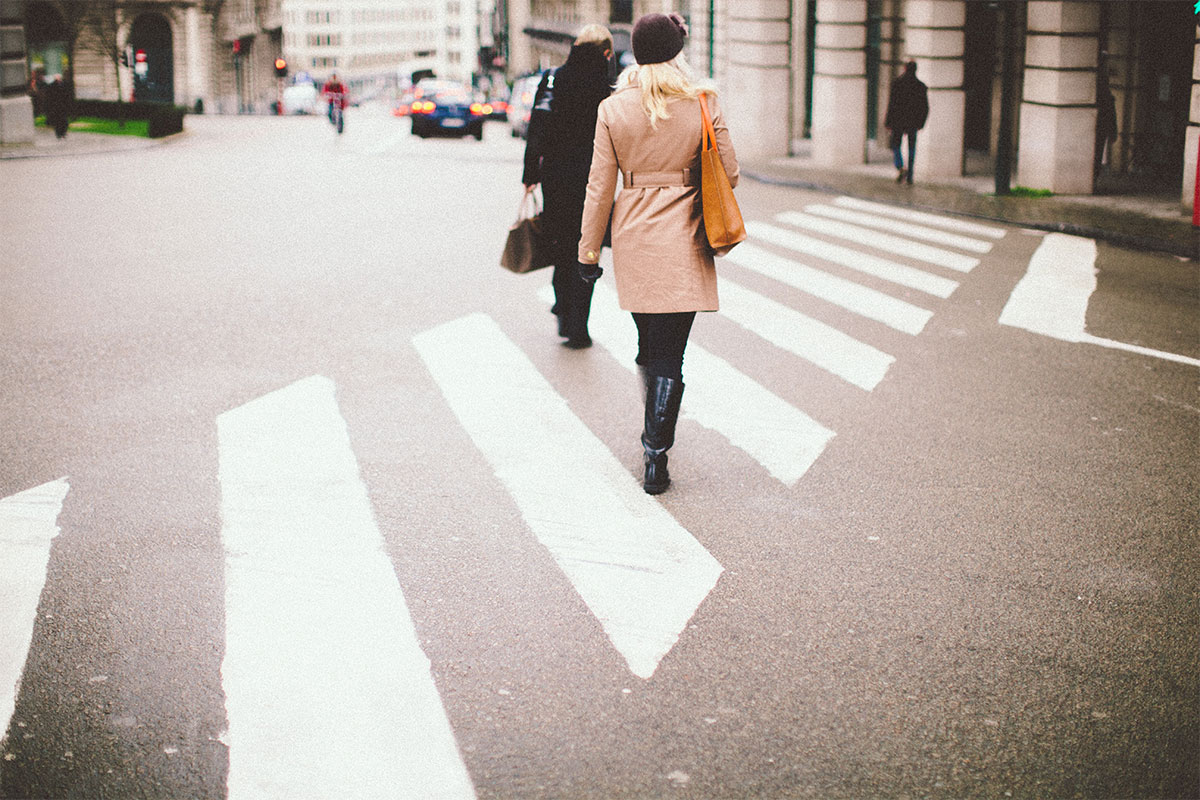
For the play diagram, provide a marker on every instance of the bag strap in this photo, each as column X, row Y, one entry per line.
column 529, row 202
column 709, row 140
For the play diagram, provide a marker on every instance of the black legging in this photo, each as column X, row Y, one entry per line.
column 661, row 342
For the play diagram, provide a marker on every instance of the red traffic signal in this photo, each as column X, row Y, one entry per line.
column 140, row 56
column 280, row 68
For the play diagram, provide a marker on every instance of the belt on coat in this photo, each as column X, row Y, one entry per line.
column 645, row 180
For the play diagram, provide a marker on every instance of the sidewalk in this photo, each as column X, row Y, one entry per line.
column 1134, row 221
column 76, row 143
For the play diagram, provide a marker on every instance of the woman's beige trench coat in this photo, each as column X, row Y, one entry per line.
column 661, row 259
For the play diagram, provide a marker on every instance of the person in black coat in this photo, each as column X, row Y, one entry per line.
column 56, row 99
column 908, row 108
column 558, row 155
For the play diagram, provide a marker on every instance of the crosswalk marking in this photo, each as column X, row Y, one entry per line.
column 28, row 525
column 949, row 223
column 820, row 344
column 861, row 300
column 636, row 568
column 1052, row 297
column 909, row 229
column 880, row 241
column 890, row 271
column 326, row 686
column 779, row 436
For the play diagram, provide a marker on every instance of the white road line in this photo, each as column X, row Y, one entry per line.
column 909, row 229
column 840, row 292
column 28, row 525
column 890, row 271
column 779, row 436
column 880, row 241
column 326, row 686
column 1052, row 298
column 950, row 223
column 636, row 568
column 823, row 345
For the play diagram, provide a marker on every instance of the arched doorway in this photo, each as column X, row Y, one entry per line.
column 154, row 59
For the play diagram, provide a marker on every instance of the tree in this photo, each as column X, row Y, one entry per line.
column 104, row 18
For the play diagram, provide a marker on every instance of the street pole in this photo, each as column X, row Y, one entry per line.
column 1004, row 143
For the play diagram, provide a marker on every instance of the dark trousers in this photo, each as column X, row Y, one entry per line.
column 912, row 150
column 662, row 339
column 572, row 294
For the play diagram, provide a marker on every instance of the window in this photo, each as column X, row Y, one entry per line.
column 620, row 11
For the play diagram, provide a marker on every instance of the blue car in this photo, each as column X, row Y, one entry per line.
column 448, row 109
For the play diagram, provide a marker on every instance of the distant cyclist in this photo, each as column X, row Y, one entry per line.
column 337, row 96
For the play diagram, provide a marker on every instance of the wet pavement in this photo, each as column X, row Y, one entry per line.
column 1139, row 222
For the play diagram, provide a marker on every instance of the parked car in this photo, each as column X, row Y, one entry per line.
column 444, row 107
column 520, row 103
column 303, row 98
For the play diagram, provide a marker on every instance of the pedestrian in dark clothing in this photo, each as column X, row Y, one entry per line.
column 56, row 100
column 908, row 108
column 558, row 155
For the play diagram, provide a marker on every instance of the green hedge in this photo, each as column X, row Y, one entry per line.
column 163, row 119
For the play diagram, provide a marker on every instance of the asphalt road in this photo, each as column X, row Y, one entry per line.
column 982, row 583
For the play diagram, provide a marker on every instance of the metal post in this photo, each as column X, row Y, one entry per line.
column 1004, row 143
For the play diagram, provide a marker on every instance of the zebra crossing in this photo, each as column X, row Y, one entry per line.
column 325, row 680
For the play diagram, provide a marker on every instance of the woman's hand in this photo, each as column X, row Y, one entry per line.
column 590, row 273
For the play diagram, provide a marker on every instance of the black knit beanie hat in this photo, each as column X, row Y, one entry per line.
column 658, row 38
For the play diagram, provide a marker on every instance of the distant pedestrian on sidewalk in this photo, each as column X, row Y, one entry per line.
column 648, row 134
column 56, row 99
column 908, row 108
column 558, row 155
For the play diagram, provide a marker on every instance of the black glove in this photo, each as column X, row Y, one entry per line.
column 590, row 272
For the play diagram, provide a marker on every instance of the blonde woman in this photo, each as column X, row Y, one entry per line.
column 648, row 136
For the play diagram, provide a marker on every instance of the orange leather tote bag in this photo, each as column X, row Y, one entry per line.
column 722, row 217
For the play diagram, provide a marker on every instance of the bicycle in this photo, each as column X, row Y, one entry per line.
column 336, row 112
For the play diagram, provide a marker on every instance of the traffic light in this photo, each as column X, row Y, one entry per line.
column 280, row 68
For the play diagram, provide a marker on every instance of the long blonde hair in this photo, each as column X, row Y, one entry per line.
column 662, row 83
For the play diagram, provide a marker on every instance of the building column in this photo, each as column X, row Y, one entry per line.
column 934, row 39
column 757, row 90
column 1058, row 110
column 1192, row 142
column 839, row 104
column 197, row 79
column 16, row 109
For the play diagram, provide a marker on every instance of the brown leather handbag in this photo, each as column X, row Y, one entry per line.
column 722, row 217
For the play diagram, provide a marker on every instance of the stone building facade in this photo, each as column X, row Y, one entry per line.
column 820, row 70
column 204, row 54
column 813, row 76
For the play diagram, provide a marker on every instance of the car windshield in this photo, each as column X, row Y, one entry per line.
column 456, row 95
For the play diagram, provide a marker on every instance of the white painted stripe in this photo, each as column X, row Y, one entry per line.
column 880, row 241
column 890, row 271
column 635, row 567
column 1052, row 297
column 28, row 525
column 326, row 686
column 909, row 229
column 823, row 345
column 779, row 436
column 950, row 223
column 861, row 300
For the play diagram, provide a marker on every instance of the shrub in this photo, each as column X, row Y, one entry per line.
column 163, row 119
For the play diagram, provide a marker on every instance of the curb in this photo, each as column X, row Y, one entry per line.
column 1126, row 240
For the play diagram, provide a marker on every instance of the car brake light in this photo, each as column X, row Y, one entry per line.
column 476, row 108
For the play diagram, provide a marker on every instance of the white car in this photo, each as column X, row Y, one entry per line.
column 303, row 98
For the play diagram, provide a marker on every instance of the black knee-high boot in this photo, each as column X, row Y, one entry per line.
column 662, row 412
